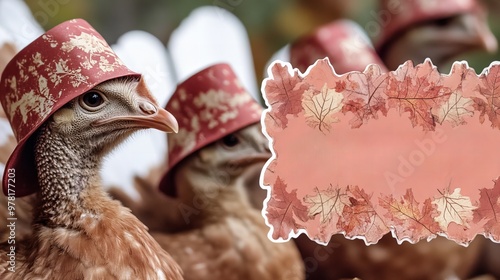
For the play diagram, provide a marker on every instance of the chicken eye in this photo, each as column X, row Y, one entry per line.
column 92, row 100
column 230, row 140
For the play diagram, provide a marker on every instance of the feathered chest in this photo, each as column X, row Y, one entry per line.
column 232, row 248
column 98, row 246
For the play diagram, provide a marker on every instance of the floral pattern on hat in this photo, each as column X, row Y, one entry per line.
column 208, row 106
column 343, row 42
column 55, row 68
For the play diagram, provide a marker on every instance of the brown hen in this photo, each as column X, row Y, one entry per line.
column 214, row 163
column 79, row 232
column 68, row 108
column 224, row 236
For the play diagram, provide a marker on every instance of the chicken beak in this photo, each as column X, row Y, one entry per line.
column 156, row 117
column 162, row 120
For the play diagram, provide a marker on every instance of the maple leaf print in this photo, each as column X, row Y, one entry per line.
column 270, row 173
column 489, row 88
column 320, row 108
column 364, row 95
column 462, row 80
column 424, row 98
column 417, row 90
column 327, row 203
column 284, row 94
column 455, row 109
column 283, row 209
column 360, row 217
column 409, row 218
column 464, row 235
column 453, row 207
column 489, row 210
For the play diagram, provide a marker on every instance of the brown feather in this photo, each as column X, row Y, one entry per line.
column 146, row 207
column 79, row 232
column 224, row 237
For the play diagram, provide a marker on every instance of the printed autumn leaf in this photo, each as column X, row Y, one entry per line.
column 417, row 90
column 282, row 210
column 270, row 173
column 489, row 88
column 489, row 210
column 360, row 218
column 284, row 93
column 340, row 86
column 455, row 109
column 453, row 207
column 428, row 98
column 464, row 235
column 462, row 80
column 327, row 203
column 320, row 108
column 364, row 95
column 409, row 219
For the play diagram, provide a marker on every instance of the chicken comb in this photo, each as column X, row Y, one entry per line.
column 58, row 66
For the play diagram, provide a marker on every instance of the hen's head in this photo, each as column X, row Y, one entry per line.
column 102, row 117
column 213, row 110
column 441, row 40
column 67, row 77
column 228, row 168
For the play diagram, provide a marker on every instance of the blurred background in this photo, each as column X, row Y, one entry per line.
column 270, row 23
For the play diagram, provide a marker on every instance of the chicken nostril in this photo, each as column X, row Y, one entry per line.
column 147, row 108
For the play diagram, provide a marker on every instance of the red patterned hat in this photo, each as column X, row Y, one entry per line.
column 402, row 14
column 208, row 106
column 342, row 41
column 58, row 66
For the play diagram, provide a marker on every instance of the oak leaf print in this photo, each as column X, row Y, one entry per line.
column 284, row 93
column 417, row 91
column 410, row 219
column 453, row 207
column 285, row 211
column 320, row 108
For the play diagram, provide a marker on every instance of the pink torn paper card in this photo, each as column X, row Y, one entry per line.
column 413, row 152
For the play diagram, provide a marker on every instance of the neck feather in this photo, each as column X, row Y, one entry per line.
column 65, row 170
column 205, row 201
